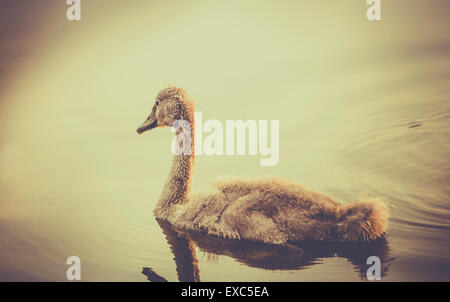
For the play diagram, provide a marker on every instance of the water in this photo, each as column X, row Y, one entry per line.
column 362, row 110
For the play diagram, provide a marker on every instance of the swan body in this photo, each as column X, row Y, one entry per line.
column 271, row 210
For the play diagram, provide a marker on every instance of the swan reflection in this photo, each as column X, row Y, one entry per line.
column 294, row 256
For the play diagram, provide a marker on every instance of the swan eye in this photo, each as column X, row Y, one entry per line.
column 157, row 102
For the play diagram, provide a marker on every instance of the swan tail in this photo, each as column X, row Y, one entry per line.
column 363, row 221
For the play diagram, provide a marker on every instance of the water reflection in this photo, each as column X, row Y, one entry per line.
column 295, row 256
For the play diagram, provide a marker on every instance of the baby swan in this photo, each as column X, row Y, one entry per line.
column 272, row 210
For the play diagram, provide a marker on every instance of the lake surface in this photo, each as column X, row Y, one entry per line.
column 363, row 109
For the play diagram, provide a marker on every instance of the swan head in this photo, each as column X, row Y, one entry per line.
column 171, row 104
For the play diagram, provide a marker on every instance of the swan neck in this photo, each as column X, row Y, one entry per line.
column 178, row 183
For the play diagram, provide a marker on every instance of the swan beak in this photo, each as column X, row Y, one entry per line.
column 149, row 124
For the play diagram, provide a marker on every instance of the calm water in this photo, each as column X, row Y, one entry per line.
column 75, row 179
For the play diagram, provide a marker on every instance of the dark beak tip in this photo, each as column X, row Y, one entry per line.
column 145, row 127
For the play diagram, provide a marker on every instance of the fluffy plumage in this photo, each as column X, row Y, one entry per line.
column 271, row 210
